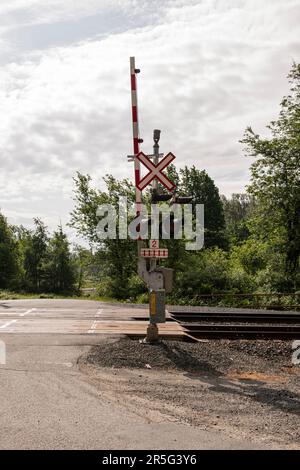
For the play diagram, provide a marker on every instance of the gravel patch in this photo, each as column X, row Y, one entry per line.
column 217, row 357
column 242, row 387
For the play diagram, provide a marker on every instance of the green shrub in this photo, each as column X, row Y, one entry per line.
column 205, row 272
column 136, row 286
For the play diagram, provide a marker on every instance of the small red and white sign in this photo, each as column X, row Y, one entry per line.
column 153, row 253
column 154, row 244
column 155, row 171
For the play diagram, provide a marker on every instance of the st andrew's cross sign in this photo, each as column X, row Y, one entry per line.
column 155, row 171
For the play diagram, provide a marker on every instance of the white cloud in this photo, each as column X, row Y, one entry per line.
column 29, row 12
column 209, row 69
column 51, row 10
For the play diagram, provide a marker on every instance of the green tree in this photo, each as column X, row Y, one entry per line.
column 60, row 268
column 172, row 173
column 237, row 211
column 34, row 249
column 8, row 255
column 275, row 177
column 117, row 257
column 83, row 259
column 204, row 191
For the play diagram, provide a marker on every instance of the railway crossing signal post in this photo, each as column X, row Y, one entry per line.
column 157, row 278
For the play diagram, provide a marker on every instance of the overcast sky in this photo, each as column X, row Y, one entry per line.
column 209, row 68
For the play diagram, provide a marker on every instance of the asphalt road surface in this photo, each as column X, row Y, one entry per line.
column 47, row 403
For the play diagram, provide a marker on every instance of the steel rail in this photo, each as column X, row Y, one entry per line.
column 236, row 317
column 198, row 331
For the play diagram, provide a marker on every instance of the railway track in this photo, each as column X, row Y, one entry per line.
column 228, row 325
column 238, row 317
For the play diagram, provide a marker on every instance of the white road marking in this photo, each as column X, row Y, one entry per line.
column 94, row 324
column 67, row 364
column 93, row 327
column 36, row 313
column 27, row 312
column 8, row 323
column 15, row 321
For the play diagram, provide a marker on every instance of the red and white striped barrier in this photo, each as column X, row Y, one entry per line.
column 135, row 130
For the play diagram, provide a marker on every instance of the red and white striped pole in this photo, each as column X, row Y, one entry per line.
column 135, row 130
